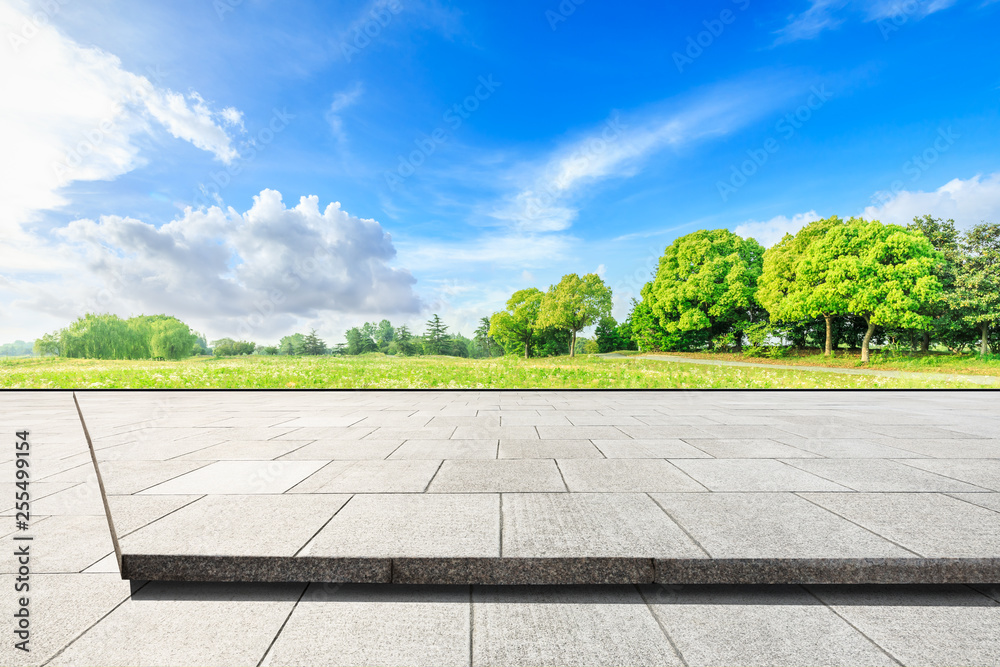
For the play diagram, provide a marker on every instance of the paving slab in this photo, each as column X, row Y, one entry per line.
column 984, row 473
column 625, row 476
column 880, row 475
column 238, row 477
column 548, row 449
column 343, row 450
column 773, row 625
column 666, row 448
column 498, row 475
column 753, row 475
column 747, row 448
column 370, row 476
column 566, row 626
column 376, row 625
column 446, row 449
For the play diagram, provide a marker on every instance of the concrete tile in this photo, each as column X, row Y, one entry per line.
column 425, row 433
column 660, row 432
column 121, row 477
column 446, row 449
column 495, row 476
column 250, row 450
column 984, row 473
column 61, row 607
column 590, row 524
column 595, row 418
column 253, row 525
column 918, row 431
column 107, row 565
column 666, row 448
column 64, row 544
column 758, row 625
column 930, row 524
column 371, row 477
column 952, row 448
column 311, row 420
column 349, row 450
column 770, row 525
column 737, row 432
column 376, row 625
column 413, row 525
column 939, row 625
column 753, row 475
column 532, row 418
column 582, row 432
column 625, row 476
column 239, row 477
column 39, row 491
column 851, row 448
column 153, row 449
column 747, row 448
column 491, row 433
column 548, row 449
column 133, row 512
column 517, row 625
column 806, row 430
column 878, row 475
column 78, row 500
column 990, row 501
column 483, row 421
column 235, row 624
column 328, row 433
column 212, row 435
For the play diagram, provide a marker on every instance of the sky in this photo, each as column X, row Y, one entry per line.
column 258, row 168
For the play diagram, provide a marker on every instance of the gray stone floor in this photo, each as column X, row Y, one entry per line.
column 83, row 613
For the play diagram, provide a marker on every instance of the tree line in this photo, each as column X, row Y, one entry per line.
column 108, row 336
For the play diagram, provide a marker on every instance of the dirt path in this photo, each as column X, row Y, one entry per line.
column 977, row 379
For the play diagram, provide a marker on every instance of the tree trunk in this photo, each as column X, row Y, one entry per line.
column 984, row 343
column 867, row 339
column 828, row 348
column 925, row 344
column 525, row 349
column 572, row 346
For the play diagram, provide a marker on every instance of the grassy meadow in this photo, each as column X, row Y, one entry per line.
column 377, row 371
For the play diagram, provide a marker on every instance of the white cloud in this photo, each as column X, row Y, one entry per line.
column 251, row 273
column 769, row 232
column 968, row 202
column 619, row 147
column 823, row 15
column 342, row 100
column 72, row 113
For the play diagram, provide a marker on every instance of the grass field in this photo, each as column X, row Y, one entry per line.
column 379, row 371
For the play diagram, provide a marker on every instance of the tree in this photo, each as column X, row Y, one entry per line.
column 171, row 339
column 385, row 333
column 436, row 336
column 575, row 303
column 515, row 327
column 977, row 284
column 47, row 345
column 227, row 347
column 706, row 282
column 782, row 291
column 944, row 237
column 291, row 344
column 483, row 338
column 610, row 336
column 268, row 350
column 883, row 274
column 312, row 344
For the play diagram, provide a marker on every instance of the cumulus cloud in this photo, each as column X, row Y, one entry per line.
column 968, row 202
column 769, row 232
column 72, row 113
column 245, row 273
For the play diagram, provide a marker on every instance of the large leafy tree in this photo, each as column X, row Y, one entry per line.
column 782, row 291
column 706, row 282
column 883, row 274
column 515, row 327
column 977, row 282
column 948, row 322
column 575, row 303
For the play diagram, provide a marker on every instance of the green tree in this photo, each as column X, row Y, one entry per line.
column 171, row 339
column 385, row 333
column 575, row 303
column 608, row 336
column 291, row 344
column 436, row 336
column 944, row 237
column 47, row 345
column 268, row 350
column 483, row 339
column 883, row 274
column 783, row 292
column 227, row 347
column 706, row 283
column 977, row 284
column 312, row 344
column 515, row 327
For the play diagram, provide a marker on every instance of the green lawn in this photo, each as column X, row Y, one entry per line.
column 378, row 371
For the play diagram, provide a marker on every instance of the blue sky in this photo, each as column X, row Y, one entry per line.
column 158, row 152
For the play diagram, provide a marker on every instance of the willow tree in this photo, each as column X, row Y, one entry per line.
column 883, row 274
column 783, row 291
column 575, row 303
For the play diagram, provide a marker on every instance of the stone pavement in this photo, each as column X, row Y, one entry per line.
column 83, row 613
